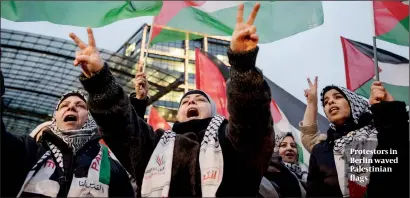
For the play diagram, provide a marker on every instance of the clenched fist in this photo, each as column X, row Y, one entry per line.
column 244, row 37
column 379, row 93
column 88, row 56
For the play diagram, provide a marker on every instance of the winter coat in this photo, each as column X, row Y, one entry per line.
column 246, row 139
column 391, row 122
column 20, row 153
column 311, row 135
column 284, row 182
column 26, row 152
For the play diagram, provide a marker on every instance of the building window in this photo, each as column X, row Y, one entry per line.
column 219, row 49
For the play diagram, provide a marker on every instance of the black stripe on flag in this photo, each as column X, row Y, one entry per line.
column 293, row 108
column 382, row 55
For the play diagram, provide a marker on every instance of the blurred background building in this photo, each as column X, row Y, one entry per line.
column 176, row 59
column 39, row 69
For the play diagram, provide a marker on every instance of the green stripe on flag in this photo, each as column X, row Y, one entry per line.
column 105, row 168
column 78, row 13
column 300, row 153
column 276, row 20
column 399, row 34
column 400, row 93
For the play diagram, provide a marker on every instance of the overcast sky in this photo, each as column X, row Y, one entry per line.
column 287, row 62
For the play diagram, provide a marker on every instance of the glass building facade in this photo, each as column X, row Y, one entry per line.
column 39, row 69
column 171, row 58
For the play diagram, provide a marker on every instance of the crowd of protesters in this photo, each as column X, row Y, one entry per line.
column 101, row 146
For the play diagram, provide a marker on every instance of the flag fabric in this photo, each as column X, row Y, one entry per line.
column 391, row 21
column 210, row 79
column 287, row 111
column 78, row 13
column 156, row 121
column 276, row 19
column 360, row 70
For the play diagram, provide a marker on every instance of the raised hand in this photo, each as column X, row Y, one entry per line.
column 244, row 37
column 88, row 56
column 311, row 92
column 379, row 93
column 141, row 83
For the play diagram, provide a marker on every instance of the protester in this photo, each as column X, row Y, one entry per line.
column 38, row 131
column 360, row 131
column 67, row 162
column 309, row 126
column 189, row 160
column 139, row 98
column 285, row 173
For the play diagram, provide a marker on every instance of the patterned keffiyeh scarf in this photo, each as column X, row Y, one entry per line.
column 299, row 169
column 158, row 173
column 75, row 139
column 361, row 139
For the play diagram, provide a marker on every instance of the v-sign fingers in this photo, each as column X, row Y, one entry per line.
column 239, row 16
column 91, row 40
column 309, row 82
column 78, row 41
column 316, row 79
column 254, row 12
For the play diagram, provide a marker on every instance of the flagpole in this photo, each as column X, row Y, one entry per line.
column 148, row 44
column 376, row 62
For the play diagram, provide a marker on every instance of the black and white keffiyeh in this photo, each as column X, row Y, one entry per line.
column 157, row 176
column 75, row 139
column 363, row 138
column 41, row 179
column 299, row 169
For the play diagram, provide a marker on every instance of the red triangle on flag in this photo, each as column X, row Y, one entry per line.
column 387, row 14
column 210, row 80
column 274, row 109
column 359, row 67
column 168, row 11
column 156, row 121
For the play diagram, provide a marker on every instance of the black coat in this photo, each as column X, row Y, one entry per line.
column 246, row 140
column 283, row 180
column 20, row 153
column 391, row 122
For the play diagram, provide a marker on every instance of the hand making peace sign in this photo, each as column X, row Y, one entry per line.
column 244, row 37
column 88, row 56
column 311, row 92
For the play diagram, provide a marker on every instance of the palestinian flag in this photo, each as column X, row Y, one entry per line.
column 157, row 121
column 287, row 111
column 210, row 79
column 360, row 70
column 78, row 13
column 391, row 21
column 276, row 19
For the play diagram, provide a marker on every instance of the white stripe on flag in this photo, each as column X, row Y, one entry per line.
column 394, row 74
column 284, row 126
column 212, row 6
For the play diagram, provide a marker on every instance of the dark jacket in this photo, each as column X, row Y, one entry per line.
column 391, row 122
column 286, row 183
column 246, row 140
column 20, row 153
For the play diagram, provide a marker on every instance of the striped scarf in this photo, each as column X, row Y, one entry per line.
column 42, row 178
column 157, row 176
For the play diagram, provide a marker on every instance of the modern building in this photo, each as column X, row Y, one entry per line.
column 176, row 59
column 38, row 69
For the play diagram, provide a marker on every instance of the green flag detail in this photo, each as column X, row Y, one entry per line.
column 78, row 13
